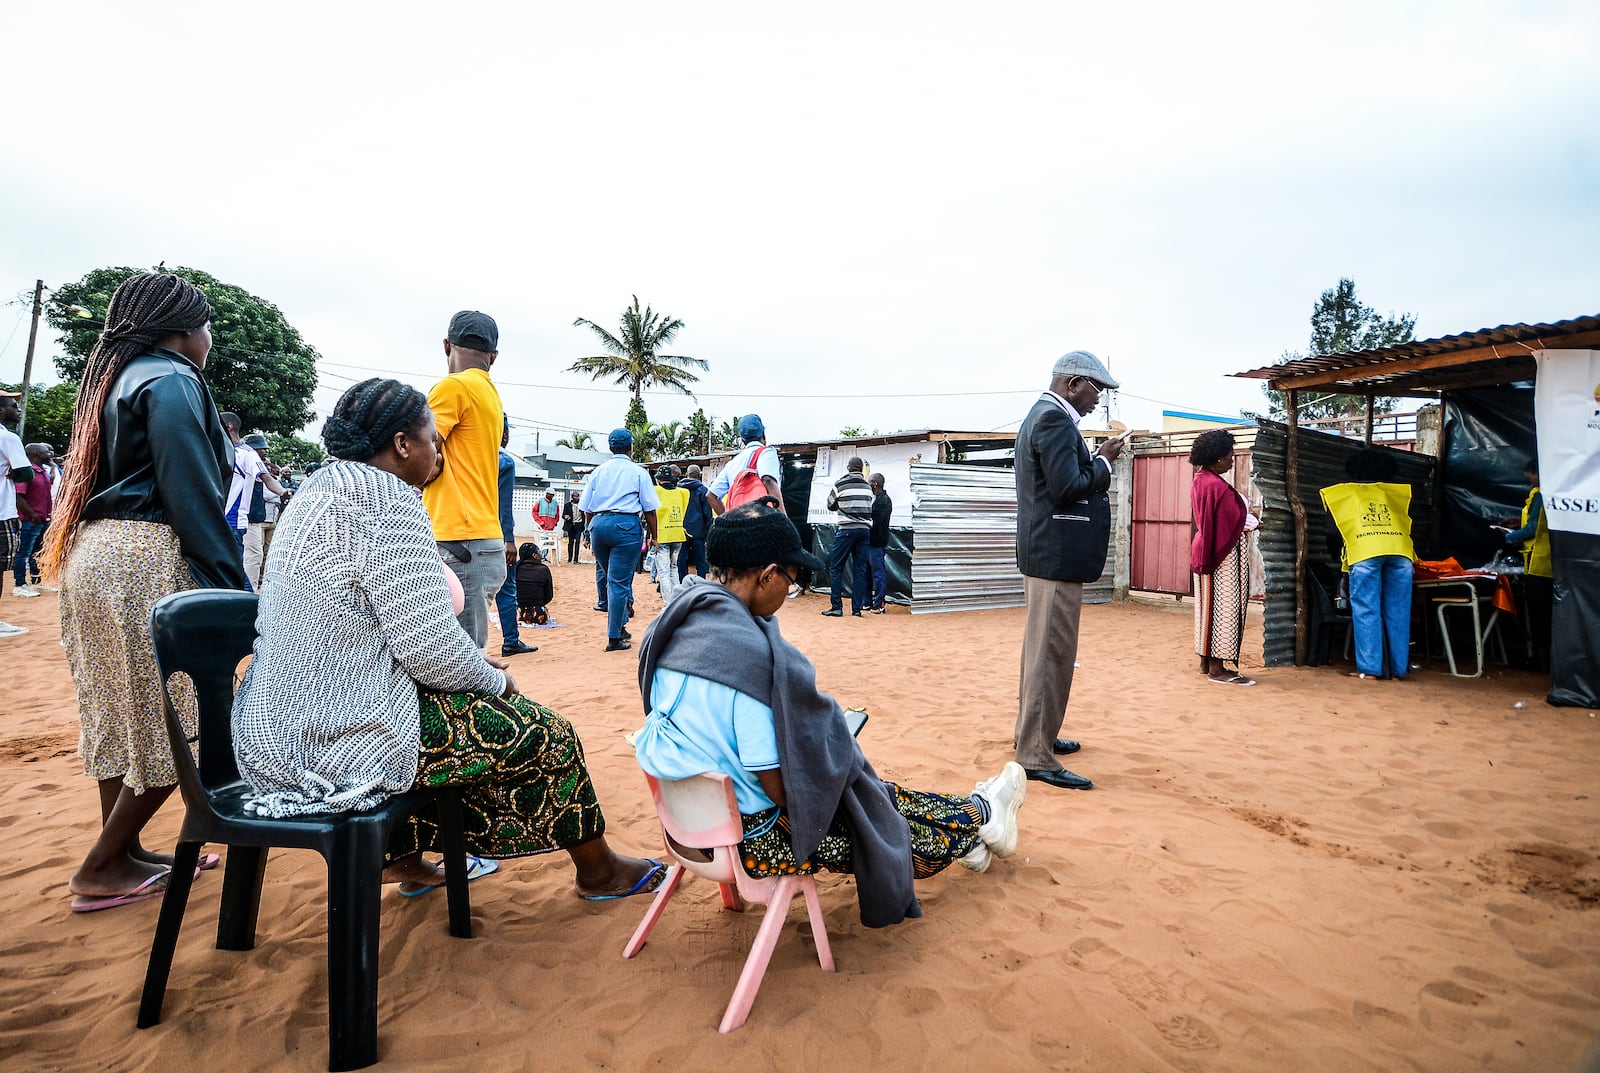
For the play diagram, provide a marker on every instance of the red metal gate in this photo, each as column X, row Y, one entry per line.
column 1158, row 546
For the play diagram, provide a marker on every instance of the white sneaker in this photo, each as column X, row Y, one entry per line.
column 8, row 630
column 25, row 590
column 1003, row 794
column 977, row 858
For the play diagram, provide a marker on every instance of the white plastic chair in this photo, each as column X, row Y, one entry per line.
column 703, row 811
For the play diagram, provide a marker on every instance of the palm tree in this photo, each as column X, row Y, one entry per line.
column 578, row 441
column 632, row 357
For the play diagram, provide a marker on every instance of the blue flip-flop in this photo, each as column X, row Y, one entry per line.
column 657, row 872
column 477, row 868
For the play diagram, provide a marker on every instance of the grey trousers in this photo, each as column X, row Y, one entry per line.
column 480, row 577
column 1049, row 649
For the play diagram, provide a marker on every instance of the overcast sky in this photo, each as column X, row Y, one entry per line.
column 888, row 216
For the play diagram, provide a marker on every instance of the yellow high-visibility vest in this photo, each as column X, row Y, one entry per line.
column 1536, row 552
column 669, row 519
column 1374, row 519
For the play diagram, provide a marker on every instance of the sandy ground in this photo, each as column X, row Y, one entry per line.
column 1315, row 873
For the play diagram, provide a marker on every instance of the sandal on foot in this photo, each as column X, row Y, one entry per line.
column 154, row 887
column 646, row 885
column 477, row 868
column 1236, row 680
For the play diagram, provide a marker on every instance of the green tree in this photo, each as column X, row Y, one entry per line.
column 1342, row 324
column 632, row 357
column 727, row 435
column 293, row 451
column 260, row 367
column 697, row 433
column 578, row 441
column 49, row 413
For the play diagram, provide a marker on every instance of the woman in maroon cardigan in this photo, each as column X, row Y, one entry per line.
column 1218, row 558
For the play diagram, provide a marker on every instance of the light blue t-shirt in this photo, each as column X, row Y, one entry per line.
column 620, row 484
column 697, row 726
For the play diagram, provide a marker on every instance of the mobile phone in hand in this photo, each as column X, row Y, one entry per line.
column 855, row 719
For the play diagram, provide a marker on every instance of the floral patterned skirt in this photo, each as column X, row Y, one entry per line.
column 115, row 573
column 944, row 828
column 519, row 766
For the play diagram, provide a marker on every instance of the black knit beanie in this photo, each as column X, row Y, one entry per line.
column 756, row 535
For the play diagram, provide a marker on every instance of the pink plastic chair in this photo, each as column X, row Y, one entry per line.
column 704, row 812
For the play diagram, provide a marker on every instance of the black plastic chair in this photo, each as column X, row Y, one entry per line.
column 205, row 634
column 1321, row 584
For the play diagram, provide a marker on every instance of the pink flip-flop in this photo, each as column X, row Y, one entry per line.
column 209, row 861
column 154, row 887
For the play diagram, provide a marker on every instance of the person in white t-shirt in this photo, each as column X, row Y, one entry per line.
column 247, row 470
column 766, row 463
column 14, row 466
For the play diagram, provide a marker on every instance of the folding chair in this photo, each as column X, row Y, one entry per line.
column 1481, row 631
column 704, row 811
column 205, row 634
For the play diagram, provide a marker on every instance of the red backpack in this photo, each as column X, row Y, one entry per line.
column 747, row 485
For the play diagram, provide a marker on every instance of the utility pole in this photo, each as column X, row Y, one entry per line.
column 27, row 363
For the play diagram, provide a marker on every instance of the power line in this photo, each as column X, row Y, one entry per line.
column 727, row 394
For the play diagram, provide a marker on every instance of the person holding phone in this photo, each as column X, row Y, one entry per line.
column 1063, row 528
column 723, row 691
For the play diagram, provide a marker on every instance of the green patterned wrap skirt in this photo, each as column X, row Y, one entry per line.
column 944, row 828
column 519, row 767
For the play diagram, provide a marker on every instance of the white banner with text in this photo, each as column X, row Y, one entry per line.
column 1567, row 411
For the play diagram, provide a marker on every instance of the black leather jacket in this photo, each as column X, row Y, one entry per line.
column 1063, row 510
column 165, row 458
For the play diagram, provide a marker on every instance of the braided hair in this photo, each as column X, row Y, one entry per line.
column 145, row 309
column 366, row 418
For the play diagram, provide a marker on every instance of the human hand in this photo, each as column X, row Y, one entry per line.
column 511, row 553
column 1112, row 448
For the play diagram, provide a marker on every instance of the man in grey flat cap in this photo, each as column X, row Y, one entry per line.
column 1063, row 525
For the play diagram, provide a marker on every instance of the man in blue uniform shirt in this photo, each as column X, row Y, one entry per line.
column 619, row 507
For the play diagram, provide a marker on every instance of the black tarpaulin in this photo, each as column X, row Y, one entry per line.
column 1574, row 640
column 1488, row 438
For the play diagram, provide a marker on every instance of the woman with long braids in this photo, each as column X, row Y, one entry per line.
column 365, row 685
column 138, row 515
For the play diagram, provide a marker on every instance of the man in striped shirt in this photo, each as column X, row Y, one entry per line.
column 852, row 498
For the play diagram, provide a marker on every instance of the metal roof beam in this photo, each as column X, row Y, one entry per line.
column 1424, row 363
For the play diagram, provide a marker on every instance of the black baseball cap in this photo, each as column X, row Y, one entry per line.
column 475, row 331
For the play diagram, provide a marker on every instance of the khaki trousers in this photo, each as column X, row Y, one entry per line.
column 1049, row 649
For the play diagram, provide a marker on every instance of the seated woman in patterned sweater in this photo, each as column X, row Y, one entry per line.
column 364, row 685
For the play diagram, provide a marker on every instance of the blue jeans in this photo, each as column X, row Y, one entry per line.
column 505, row 602
column 848, row 543
column 1380, row 608
column 693, row 554
column 238, row 537
column 876, row 559
column 617, row 540
column 27, row 544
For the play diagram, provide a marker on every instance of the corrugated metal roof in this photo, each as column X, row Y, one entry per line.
column 1376, row 369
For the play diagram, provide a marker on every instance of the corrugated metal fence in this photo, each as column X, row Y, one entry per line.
column 965, row 518
column 1322, row 458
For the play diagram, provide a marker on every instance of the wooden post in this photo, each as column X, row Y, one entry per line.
column 1302, row 636
column 1368, row 436
column 27, row 362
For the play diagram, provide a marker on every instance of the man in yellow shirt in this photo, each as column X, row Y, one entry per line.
column 464, row 502
column 669, row 530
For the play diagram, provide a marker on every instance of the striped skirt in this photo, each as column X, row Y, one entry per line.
column 1220, row 600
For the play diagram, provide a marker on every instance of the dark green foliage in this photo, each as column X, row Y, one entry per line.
column 49, row 414
column 292, row 451
column 260, row 367
column 1342, row 324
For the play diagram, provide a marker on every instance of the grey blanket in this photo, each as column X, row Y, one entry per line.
column 707, row 631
